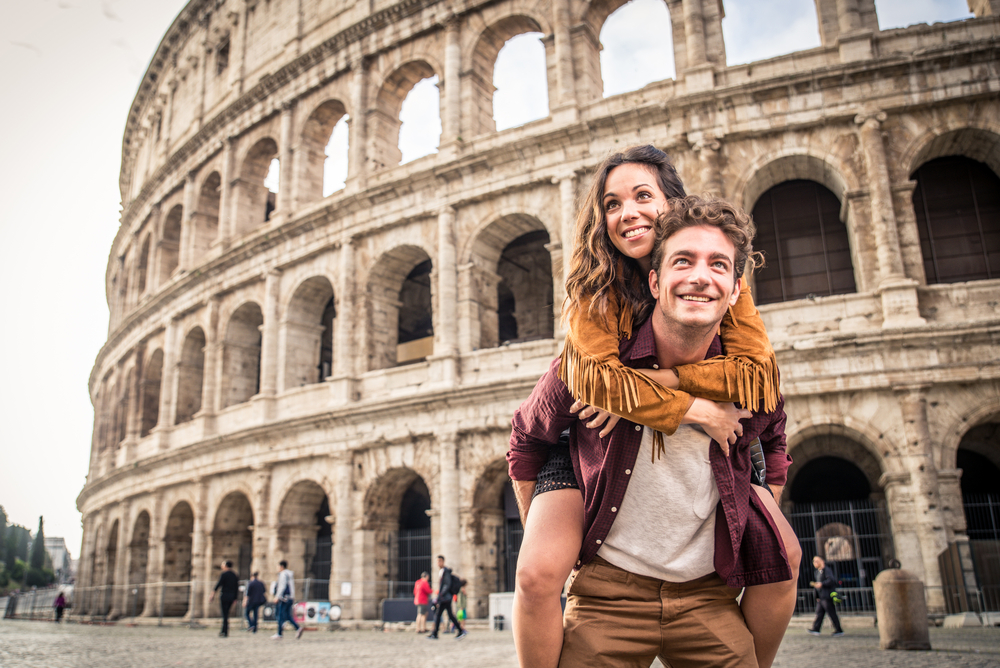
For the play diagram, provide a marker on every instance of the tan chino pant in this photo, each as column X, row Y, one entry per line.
column 617, row 618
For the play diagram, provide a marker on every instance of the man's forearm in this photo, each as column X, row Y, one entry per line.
column 523, row 491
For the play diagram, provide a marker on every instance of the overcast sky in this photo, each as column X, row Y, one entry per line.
column 69, row 73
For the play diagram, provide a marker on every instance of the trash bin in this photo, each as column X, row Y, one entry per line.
column 902, row 610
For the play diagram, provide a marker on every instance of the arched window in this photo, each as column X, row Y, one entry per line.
column 306, row 538
column 190, row 376
column 177, row 560
column 637, row 47
column 242, row 354
column 524, row 294
column 138, row 549
column 420, row 121
column 520, row 78
column 416, row 327
column 170, row 244
column 413, row 554
column 957, row 203
column 205, row 221
column 255, row 188
column 232, row 536
column 324, row 152
column 149, row 403
column 142, row 267
column 308, row 334
column 805, row 244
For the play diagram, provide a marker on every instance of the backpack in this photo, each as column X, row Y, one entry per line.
column 456, row 585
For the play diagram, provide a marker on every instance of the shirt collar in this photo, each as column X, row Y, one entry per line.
column 640, row 349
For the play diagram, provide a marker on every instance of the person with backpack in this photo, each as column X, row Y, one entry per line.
column 285, row 598
column 825, row 584
column 449, row 585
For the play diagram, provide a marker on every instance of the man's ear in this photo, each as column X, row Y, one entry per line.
column 654, row 284
column 736, row 292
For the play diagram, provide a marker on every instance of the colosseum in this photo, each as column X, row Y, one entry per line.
column 328, row 377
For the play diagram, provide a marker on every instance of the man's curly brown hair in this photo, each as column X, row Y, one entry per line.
column 691, row 211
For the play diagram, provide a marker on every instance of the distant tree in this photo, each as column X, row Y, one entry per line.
column 38, row 546
column 24, row 536
column 3, row 532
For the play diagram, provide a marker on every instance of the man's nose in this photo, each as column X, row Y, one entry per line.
column 699, row 273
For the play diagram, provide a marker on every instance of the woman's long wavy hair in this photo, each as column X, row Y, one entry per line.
column 598, row 270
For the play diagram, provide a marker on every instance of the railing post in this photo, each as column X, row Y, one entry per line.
column 163, row 596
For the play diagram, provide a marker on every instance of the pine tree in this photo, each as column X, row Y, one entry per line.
column 3, row 533
column 38, row 547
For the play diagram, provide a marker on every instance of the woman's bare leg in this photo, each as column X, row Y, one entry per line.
column 553, row 533
column 768, row 608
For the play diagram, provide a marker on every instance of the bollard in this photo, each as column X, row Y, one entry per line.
column 902, row 610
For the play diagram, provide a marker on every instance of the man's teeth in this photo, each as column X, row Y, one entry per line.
column 692, row 298
column 636, row 232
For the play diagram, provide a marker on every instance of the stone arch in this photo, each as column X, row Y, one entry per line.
column 771, row 169
column 876, row 444
column 149, row 392
column 308, row 328
column 232, row 535
column 190, row 376
column 509, row 277
column 241, row 354
column 177, row 560
column 978, row 143
column 170, row 243
column 205, row 217
column 383, row 118
column 392, row 508
column 305, row 534
column 637, row 47
column 138, row 560
column 315, row 136
column 496, row 535
column 397, row 298
column 483, row 56
column 254, row 202
column 984, row 412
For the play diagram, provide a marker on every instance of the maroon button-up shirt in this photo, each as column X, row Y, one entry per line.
column 747, row 548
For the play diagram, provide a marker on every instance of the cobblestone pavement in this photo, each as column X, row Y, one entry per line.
column 26, row 644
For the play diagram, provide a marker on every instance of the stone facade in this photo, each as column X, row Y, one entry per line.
column 286, row 370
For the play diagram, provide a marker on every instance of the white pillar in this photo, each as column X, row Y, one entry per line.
column 283, row 204
column 446, row 316
column 226, row 196
column 185, row 249
column 452, row 126
column 343, row 539
column 269, row 334
column 448, row 501
column 358, row 134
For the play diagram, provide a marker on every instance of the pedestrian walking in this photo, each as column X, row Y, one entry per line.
column 252, row 600
column 448, row 586
column 421, row 599
column 825, row 584
column 285, row 599
column 60, row 606
column 229, row 586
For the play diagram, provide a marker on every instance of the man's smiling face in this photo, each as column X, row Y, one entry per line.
column 695, row 282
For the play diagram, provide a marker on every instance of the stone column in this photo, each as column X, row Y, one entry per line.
column 708, row 148
column 212, row 369
column 169, row 382
column 343, row 535
column 189, row 235
column 226, row 196
column 449, row 489
column 356, row 167
column 342, row 381
column 154, row 567
column 899, row 295
column 237, row 47
column 929, row 518
column 286, row 188
column 169, row 120
column 694, row 32
column 263, row 526
column 452, row 118
column 909, row 233
column 200, row 568
column 446, row 316
column 848, row 16
column 565, row 79
column 84, row 567
column 269, row 334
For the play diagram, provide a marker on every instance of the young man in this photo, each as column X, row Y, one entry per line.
column 824, row 584
column 444, row 601
column 285, row 598
column 229, row 585
column 252, row 601
column 669, row 536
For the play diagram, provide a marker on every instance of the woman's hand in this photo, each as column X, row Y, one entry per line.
column 721, row 421
column 601, row 417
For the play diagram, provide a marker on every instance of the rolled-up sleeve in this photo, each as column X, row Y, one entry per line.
column 772, row 441
column 537, row 424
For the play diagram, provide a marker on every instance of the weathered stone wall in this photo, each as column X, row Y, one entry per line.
column 221, row 311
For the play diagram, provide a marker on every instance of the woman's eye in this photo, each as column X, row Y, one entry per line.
column 610, row 205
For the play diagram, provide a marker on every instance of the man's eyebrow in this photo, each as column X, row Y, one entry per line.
column 717, row 255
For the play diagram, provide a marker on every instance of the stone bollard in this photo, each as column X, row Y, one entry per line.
column 902, row 610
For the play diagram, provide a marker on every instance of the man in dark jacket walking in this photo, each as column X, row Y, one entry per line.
column 229, row 584
column 824, row 583
column 445, row 589
column 252, row 601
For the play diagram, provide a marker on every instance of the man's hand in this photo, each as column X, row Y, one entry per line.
column 212, row 597
column 601, row 417
column 721, row 421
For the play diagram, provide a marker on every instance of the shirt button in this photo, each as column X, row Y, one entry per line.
column 628, row 471
column 638, row 428
column 613, row 509
column 598, row 541
column 577, row 562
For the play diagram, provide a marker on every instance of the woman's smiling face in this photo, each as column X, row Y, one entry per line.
column 632, row 201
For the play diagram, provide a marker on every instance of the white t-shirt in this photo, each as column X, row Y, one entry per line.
column 665, row 528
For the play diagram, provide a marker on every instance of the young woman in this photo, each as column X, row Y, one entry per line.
column 607, row 295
